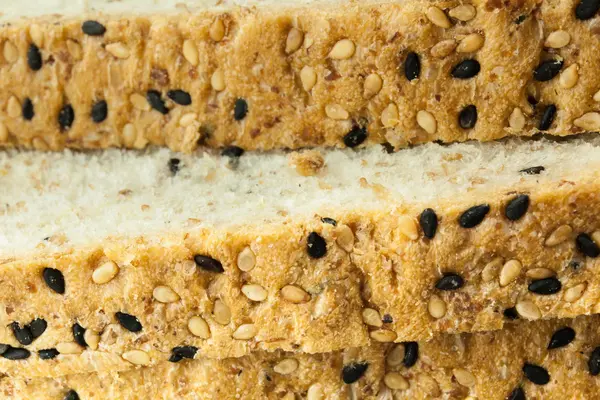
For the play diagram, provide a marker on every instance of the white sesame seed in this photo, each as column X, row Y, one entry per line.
column 37, row 35
column 315, row 392
column 559, row 235
column 245, row 332
column 246, row 260
column 372, row 317
column 308, row 77
column 396, row 356
column 139, row 102
column 383, row 335
column 540, row 273
column 510, row 272
column 294, row 40
column 105, row 273
column 165, row 294
column 129, row 135
column 91, row 339
column 190, row 52
column 294, row 294
column 217, row 30
column 69, row 348
column 199, row 327
column 569, row 76
column 10, row 52
column 464, row 377
column 389, row 116
column 427, row 121
column 470, row 44
column 490, row 271
column 408, row 227
column 575, row 293
column 13, row 107
column 286, row 366
column 436, row 307
column 438, row 17
column 516, row 120
column 463, row 12
column 337, row 112
column 557, row 39
column 137, row 357
column 443, row 48
column 344, row 237
column 528, row 310
column 588, row 121
column 217, row 80
column 372, row 86
column 343, row 50
column 255, row 292
column 395, row 381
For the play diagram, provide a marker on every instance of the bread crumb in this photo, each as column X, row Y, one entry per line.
column 306, row 163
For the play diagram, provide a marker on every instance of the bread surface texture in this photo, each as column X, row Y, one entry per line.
column 268, row 75
column 487, row 365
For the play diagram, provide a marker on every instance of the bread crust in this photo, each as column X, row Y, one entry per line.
column 485, row 365
column 385, row 264
column 298, row 93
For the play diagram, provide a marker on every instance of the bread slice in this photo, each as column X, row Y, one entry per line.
column 488, row 365
column 257, row 256
column 270, row 74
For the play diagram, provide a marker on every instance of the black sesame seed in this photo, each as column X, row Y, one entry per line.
column 174, row 165
column 48, row 354
column 22, row 334
column 54, row 279
column 533, row 170
column 71, row 395
column 34, row 57
column 78, row 332
column 545, row 286
column 355, row 137
column 519, row 20
column 594, row 362
column 547, row 118
column 450, row 282
column 586, row 9
column 411, row 354
column 468, row 117
column 93, row 28
column 156, row 102
column 353, row 372
column 181, row 352
column 99, row 111
column 27, row 110
column 561, row 338
column 412, row 66
column 547, row 70
column 388, row 148
column 37, row 327
column 66, row 116
column 329, row 221
column 574, row 264
column 511, row 313
column 587, row 246
column 208, row 264
column 16, row 353
column 316, row 245
column 128, row 321
column 387, row 319
column 180, row 97
column 3, row 348
column 536, row 374
column 466, row 69
column 474, row 216
column 516, row 394
column 532, row 100
column 517, row 207
column 240, row 109
column 429, row 222
column 232, row 151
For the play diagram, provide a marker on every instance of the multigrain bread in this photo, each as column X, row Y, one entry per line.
column 268, row 75
column 123, row 251
column 553, row 360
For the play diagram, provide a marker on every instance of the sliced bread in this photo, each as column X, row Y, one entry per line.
column 269, row 74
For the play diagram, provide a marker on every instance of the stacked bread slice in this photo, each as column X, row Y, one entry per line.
column 366, row 271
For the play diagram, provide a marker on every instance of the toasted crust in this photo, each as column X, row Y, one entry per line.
column 255, row 61
column 483, row 365
column 381, row 266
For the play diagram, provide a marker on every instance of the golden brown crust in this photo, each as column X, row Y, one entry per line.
column 255, row 61
column 377, row 260
column 484, row 365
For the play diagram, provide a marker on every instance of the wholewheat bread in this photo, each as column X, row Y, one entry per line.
column 554, row 360
column 268, row 75
column 306, row 252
